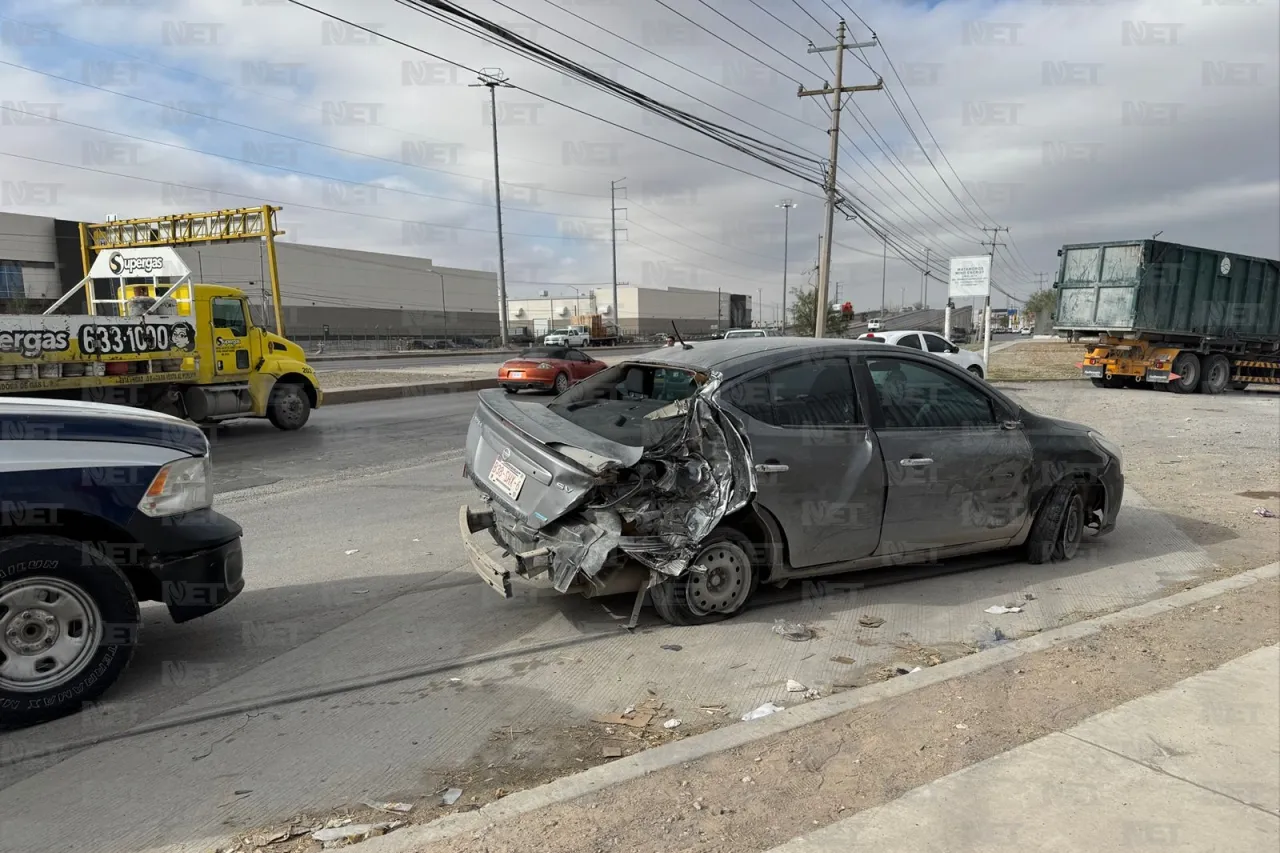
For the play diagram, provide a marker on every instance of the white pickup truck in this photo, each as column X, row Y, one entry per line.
column 573, row 336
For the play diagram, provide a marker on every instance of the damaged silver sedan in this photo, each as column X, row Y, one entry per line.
column 693, row 474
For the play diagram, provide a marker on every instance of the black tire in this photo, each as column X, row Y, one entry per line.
column 1058, row 527
column 289, row 407
column 1238, row 386
column 1217, row 374
column 1187, row 366
column 975, row 370
column 47, row 569
column 680, row 601
column 510, row 390
column 562, row 383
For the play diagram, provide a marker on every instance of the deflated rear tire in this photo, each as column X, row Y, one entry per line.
column 68, row 625
column 700, row 597
column 1059, row 526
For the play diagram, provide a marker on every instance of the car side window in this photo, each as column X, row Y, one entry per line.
column 574, row 355
column 911, row 341
column 936, row 344
column 810, row 394
column 927, row 397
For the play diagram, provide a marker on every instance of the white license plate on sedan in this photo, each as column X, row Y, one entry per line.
column 516, row 374
column 508, row 478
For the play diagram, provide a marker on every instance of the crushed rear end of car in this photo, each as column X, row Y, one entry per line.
column 608, row 489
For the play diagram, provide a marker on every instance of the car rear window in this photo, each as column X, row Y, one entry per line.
column 633, row 404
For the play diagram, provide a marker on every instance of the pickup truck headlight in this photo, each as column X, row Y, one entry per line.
column 1108, row 446
column 182, row 486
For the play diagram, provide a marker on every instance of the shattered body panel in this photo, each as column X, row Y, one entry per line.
column 587, row 503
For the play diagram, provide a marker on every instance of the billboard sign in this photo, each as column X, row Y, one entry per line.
column 970, row 277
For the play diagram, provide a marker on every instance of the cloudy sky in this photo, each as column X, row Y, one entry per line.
column 1062, row 120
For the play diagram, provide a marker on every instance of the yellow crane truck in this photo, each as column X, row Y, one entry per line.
column 152, row 338
column 1171, row 317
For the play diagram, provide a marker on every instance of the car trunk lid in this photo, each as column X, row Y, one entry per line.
column 534, row 462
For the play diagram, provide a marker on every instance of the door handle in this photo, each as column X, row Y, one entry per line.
column 772, row 468
column 915, row 462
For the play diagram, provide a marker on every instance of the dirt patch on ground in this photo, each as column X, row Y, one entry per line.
column 761, row 795
column 1036, row 361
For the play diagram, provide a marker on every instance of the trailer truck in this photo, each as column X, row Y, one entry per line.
column 1169, row 316
column 156, row 340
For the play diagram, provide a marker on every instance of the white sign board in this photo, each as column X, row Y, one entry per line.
column 149, row 262
column 970, row 277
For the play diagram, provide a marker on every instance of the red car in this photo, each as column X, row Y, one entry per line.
column 547, row 369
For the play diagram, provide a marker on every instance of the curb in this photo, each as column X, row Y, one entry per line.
column 739, row 734
column 373, row 393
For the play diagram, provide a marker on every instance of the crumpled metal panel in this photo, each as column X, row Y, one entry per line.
column 683, row 487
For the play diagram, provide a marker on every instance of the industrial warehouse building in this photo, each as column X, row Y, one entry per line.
column 345, row 293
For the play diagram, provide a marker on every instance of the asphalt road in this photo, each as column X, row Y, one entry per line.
column 366, row 660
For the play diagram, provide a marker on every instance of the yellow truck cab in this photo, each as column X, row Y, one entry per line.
column 191, row 350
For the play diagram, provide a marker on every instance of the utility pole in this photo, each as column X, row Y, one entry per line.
column 492, row 78
column 924, row 282
column 837, row 93
column 613, row 236
column 786, row 206
column 986, row 322
column 884, row 275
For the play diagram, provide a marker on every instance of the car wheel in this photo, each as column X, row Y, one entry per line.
column 1217, row 374
column 510, row 389
column 1187, row 366
column 1059, row 526
column 701, row 597
column 975, row 370
column 289, row 408
column 68, row 623
column 562, row 383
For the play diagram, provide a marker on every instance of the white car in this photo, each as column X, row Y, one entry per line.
column 1024, row 331
column 936, row 344
column 749, row 333
column 566, row 338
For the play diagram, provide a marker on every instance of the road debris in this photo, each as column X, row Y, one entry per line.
column 842, row 659
column 336, row 836
column 1264, row 512
column 961, row 726
column 763, row 711
column 635, row 716
column 988, row 637
column 671, row 724
column 1000, row 609
column 672, row 647
column 794, row 686
column 797, row 632
column 870, row 621
column 612, row 752
column 1028, row 596
column 396, row 808
column 351, row 551
column 451, row 796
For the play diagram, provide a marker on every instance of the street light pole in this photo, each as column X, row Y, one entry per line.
column 786, row 206
column 492, row 78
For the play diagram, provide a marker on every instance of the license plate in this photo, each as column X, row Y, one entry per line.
column 1094, row 371
column 516, row 374
column 508, row 478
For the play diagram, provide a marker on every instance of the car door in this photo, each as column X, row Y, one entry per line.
column 936, row 345
column 579, row 365
column 818, row 465
column 958, row 467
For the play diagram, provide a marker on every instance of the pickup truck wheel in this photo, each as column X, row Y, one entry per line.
column 562, row 383
column 1187, row 366
column 700, row 597
column 1217, row 374
column 289, row 407
column 1059, row 526
column 68, row 624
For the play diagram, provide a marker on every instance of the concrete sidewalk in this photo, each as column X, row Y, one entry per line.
column 1192, row 768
